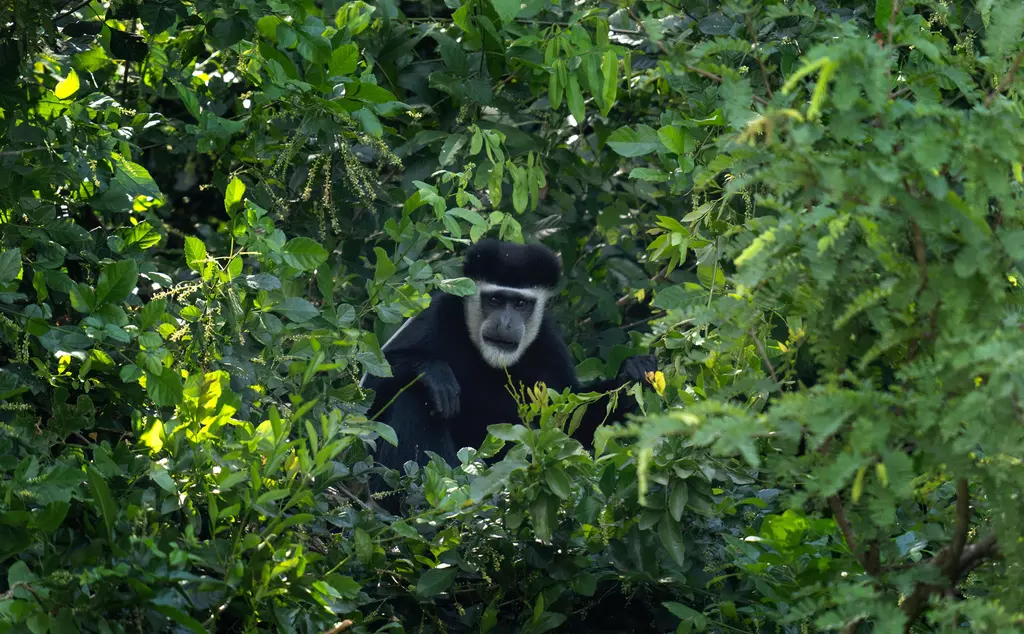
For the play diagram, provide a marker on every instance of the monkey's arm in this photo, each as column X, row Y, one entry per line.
column 563, row 374
column 411, row 353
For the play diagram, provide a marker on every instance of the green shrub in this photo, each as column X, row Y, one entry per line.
column 212, row 213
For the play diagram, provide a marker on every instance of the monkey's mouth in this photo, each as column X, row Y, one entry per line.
column 502, row 344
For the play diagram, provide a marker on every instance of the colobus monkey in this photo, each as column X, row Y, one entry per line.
column 463, row 346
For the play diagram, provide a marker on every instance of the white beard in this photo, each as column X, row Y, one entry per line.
column 492, row 355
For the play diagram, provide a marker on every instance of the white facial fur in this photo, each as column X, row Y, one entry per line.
column 493, row 356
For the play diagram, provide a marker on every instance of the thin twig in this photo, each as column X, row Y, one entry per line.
column 32, row 149
column 764, row 354
column 757, row 56
column 73, row 9
column 963, row 523
column 844, row 525
column 1007, row 80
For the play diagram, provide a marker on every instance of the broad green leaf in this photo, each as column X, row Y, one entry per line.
column 102, row 499
column 435, row 581
column 297, row 309
column 507, row 10
column 574, row 98
column 649, row 175
column 83, row 297
column 384, row 268
column 116, row 281
column 883, row 13
column 344, row 60
column 672, row 539
column 458, row 286
column 495, row 478
column 304, row 254
column 676, row 139
column 233, row 195
column 609, row 73
column 558, row 481
column 195, row 253
column 10, row 265
column 556, row 89
column 165, row 388
column 234, row 267
column 67, row 86
column 544, row 513
column 135, row 178
column 631, row 143
column 678, row 498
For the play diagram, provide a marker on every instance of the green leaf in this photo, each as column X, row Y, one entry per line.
column 83, row 298
column 672, row 539
column 458, row 286
column 495, row 479
column 555, row 87
column 678, row 498
column 179, row 617
column 135, row 178
column 130, row 373
column 384, row 268
column 233, row 195
column 558, row 481
column 649, row 175
column 574, row 98
column 435, row 581
column 116, row 281
column 507, row 10
column 195, row 253
column 676, row 139
column 102, row 499
column 304, row 254
column 344, row 60
column 10, row 265
column 451, row 145
column 313, row 46
column 544, row 513
column 737, row 95
column 67, row 86
column 1003, row 31
column 610, row 74
column 632, row 143
column 883, row 12
column 297, row 309
column 165, row 388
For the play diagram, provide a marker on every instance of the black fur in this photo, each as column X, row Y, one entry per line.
column 508, row 264
column 459, row 394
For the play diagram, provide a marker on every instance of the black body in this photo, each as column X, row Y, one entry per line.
column 460, row 394
column 437, row 344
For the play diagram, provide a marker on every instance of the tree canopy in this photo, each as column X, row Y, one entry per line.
column 213, row 212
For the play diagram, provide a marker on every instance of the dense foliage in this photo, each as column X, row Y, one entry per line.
column 212, row 212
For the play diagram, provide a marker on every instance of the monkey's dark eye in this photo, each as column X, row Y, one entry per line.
column 494, row 300
column 520, row 303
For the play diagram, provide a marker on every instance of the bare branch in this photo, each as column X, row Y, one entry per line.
column 764, row 354
column 1007, row 80
column 963, row 523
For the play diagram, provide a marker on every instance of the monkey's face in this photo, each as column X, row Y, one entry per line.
column 503, row 322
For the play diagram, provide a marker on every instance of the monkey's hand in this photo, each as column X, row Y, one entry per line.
column 636, row 368
column 442, row 388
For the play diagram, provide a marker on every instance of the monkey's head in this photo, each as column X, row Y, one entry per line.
column 513, row 284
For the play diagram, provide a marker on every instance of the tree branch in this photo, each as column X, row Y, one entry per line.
column 970, row 558
column 1007, row 80
column 963, row 523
